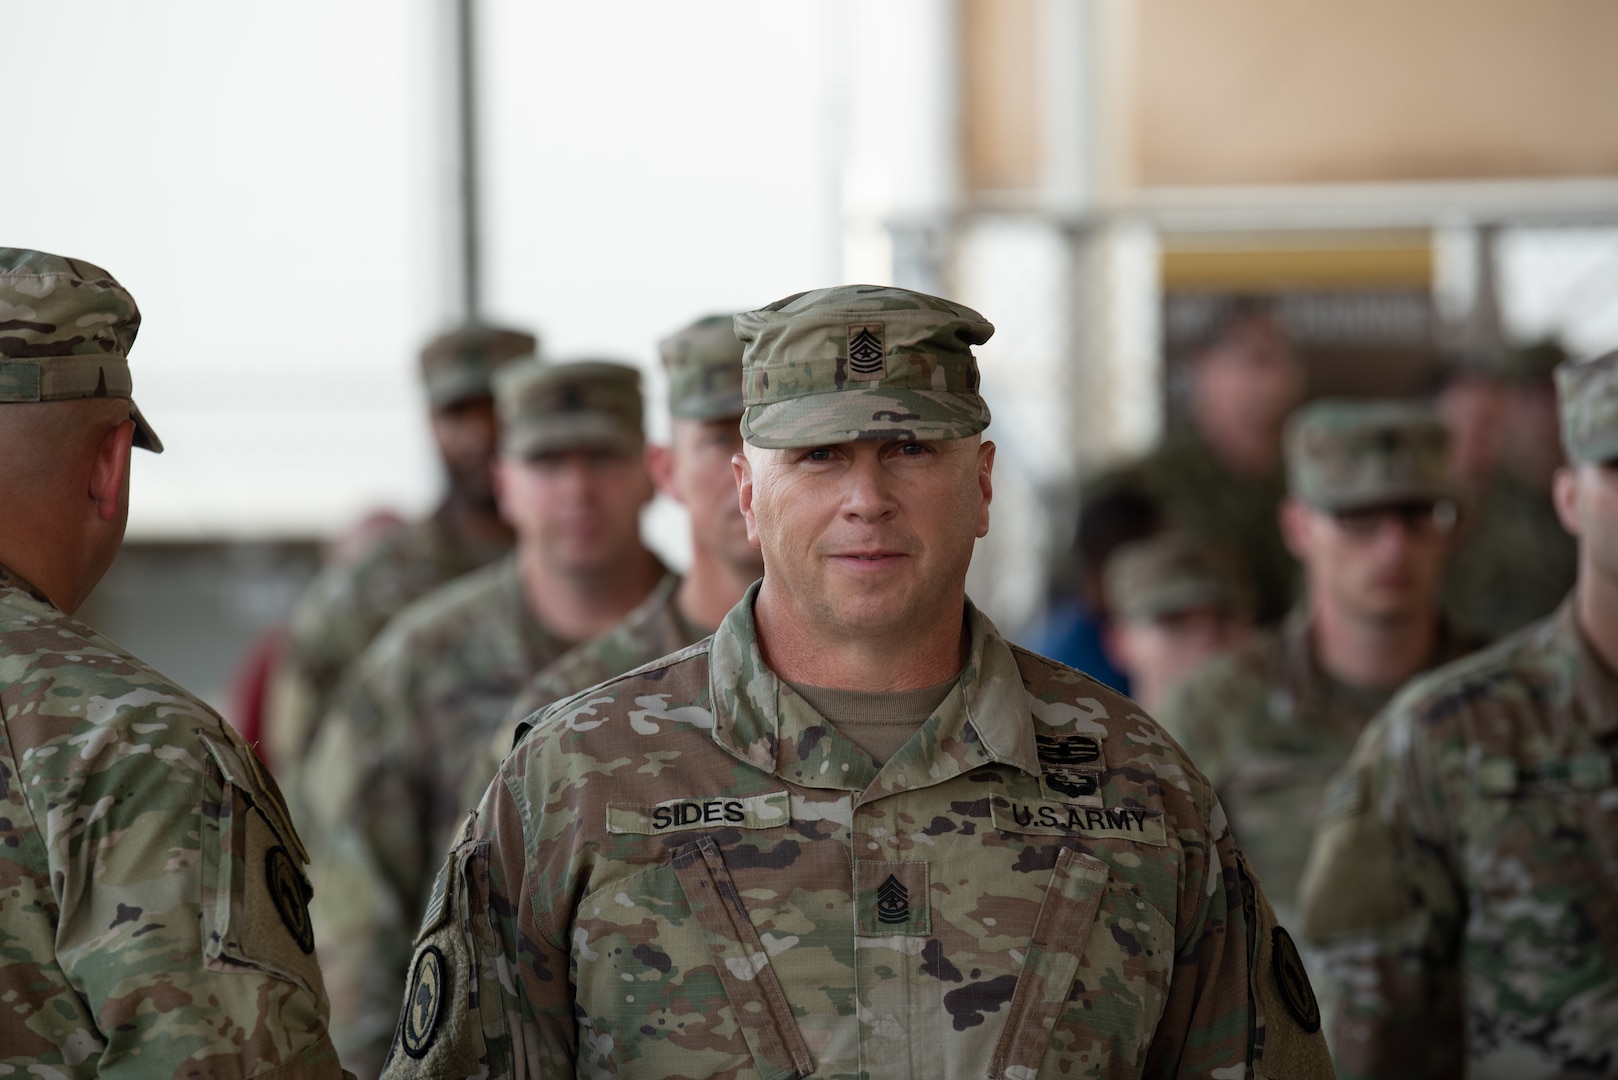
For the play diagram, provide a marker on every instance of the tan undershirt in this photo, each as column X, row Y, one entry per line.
column 878, row 722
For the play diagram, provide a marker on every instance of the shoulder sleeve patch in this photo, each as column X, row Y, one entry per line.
column 1287, row 1041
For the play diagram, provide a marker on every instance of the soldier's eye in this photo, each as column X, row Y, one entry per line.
column 819, row 453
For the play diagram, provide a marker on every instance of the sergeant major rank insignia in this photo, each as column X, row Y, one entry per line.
column 867, row 359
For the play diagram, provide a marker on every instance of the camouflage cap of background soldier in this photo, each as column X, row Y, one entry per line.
column 554, row 408
column 66, row 328
column 860, row 362
column 704, row 365
column 1172, row 573
column 1346, row 455
column 459, row 364
column 1587, row 392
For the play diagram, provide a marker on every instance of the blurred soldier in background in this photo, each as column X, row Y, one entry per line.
column 349, row 601
column 855, row 831
column 419, row 707
column 1473, row 399
column 704, row 365
column 1176, row 604
column 153, row 904
column 1219, row 478
column 1465, row 879
column 1515, row 562
column 1370, row 515
column 1074, row 627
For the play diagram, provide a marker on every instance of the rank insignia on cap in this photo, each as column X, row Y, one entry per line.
column 424, row 1003
column 866, row 356
column 290, row 894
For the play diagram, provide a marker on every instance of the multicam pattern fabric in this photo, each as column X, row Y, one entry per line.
column 654, row 629
column 704, row 366
column 385, row 777
column 153, row 917
column 686, row 871
column 66, row 328
column 1514, row 563
column 1201, row 497
column 860, row 362
column 461, row 363
column 1170, row 573
column 555, row 407
column 1464, row 884
column 1587, row 393
column 1268, row 727
column 342, row 609
column 1341, row 454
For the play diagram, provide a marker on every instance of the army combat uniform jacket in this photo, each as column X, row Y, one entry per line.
column 339, row 614
column 655, row 628
column 1465, row 878
column 385, row 779
column 153, row 904
column 686, row 871
column 1269, row 727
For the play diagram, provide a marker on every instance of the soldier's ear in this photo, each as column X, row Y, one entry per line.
column 660, row 465
column 109, row 474
column 985, row 484
column 1565, row 495
column 1295, row 527
column 742, row 469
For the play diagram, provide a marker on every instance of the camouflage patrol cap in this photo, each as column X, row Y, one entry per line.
column 860, row 362
column 1344, row 455
column 553, row 408
column 1171, row 573
column 66, row 327
column 1588, row 393
column 460, row 364
column 1535, row 362
column 704, row 364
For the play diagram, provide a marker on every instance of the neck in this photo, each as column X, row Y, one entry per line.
column 1373, row 654
column 44, row 557
column 1244, row 451
column 579, row 607
column 926, row 653
column 472, row 520
column 711, row 587
column 1595, row 608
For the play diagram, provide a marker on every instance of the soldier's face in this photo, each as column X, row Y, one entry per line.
column 1382, row 563
column 867, row 538
column 578, row 510
column 1159, row 653
column 468, row 435
column 700, row 476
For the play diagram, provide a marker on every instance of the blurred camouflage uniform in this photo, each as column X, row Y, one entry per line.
column 1515, row 562
column 704, row 366
column 1464, row 881
column 1199, row 495
column 1265, row 723
column 346, row 605
column 413, row 717
column 688, row 871
column 153, row 918
column 1170, row 573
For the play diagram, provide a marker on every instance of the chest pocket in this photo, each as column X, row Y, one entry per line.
column 1094, row 979
column 1542, row 863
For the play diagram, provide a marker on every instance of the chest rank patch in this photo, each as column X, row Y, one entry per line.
column 290, row 894
column 1070, row 767
column 768, row 811
column 892, row 898
column 1043, row 818
column 424, row 1002
column 867, row 359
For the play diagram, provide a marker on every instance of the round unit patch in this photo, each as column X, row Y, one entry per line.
column 1296, row 992
column 290, row 894
column 424, row 1002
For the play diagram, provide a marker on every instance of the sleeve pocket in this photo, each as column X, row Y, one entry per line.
column 255, row 895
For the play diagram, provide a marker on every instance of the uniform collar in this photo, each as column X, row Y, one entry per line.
column 1595, row 689
column 757, row 718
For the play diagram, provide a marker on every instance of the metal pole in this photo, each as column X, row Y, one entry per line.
column 471, row 239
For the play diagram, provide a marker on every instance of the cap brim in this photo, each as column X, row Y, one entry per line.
column 1188, row 596
column 1370, row 499
column 145, row 437
column 851, row 415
